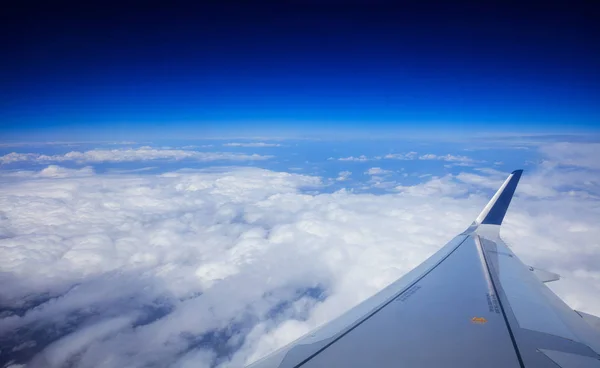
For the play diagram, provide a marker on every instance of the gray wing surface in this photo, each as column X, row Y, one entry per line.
column 471, row 304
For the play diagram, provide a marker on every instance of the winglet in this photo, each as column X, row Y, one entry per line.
column 494, row 211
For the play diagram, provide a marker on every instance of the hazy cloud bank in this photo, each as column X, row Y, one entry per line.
column 128, row 155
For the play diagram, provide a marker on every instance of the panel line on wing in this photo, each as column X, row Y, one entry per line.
column 510, row 332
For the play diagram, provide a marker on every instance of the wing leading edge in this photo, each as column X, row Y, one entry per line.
column 473, row 303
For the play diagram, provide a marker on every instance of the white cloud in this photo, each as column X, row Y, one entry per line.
column 60, row 352
column 381, row 183
column 379, row 179
column 377, row 171
column 212, row 267
column 130, row 171
column 573, row 154
column 409, row 156
column 448, row 158
column 361, row 158
column 193, row 146
column 125, row 155
column 458, row 160
column 17, row 157
column 66, row 143
column 52, row 171
column 343, row 175
column 443, row 187
column 547, row 181
column 251, row 144
column 401, row 156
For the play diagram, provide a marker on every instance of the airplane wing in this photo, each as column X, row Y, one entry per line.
column 471, row 304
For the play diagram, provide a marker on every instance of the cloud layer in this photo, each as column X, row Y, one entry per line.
column 127, row 155
column 251, row 144
column 409, row 156
column 219, row 267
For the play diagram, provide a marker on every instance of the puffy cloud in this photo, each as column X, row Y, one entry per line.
column 52, row 171
column 435, row 187
column 86, row 250
column 361, row 158
column 124, row 155
column 343, row 175
column 218, row 267
column 402, row 156
column 17, row 157
column 193, row 146
column 458, row 160
column 547, row 181
column 251, row 144
column 377, row 171
column 59, row 143
column 448, row 158
column 379, row 179
column 573, row 154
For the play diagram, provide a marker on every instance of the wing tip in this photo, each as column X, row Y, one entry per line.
column 494, row 212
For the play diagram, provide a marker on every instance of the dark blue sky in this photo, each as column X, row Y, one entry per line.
column 83, row 71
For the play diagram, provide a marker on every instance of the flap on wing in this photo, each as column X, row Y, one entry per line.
column 570, row 360
column 543, row 275
column 494, row 212
column 591, row 320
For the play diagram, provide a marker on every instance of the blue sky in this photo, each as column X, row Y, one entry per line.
column 298, row 71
